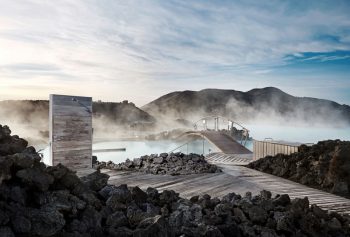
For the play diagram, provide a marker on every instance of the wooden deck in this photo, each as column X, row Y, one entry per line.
column 234, row 178
column 229, row 159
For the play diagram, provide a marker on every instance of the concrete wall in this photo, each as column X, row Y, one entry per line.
column 270, row 148
column 71, row 131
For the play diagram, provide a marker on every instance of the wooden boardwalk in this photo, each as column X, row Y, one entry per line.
column 229, row 159
column 234, row 178
column 222, row 141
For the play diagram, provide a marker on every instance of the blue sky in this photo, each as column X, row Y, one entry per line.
column 141, row 49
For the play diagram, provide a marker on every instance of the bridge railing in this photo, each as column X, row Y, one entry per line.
column 240, row 134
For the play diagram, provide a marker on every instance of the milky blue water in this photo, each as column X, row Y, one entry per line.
column 298, row 134
column 136, row 149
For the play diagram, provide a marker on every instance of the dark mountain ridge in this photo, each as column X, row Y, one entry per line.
column 265, row 103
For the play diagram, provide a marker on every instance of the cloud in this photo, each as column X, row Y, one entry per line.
column 325, row 58
column 126, row 49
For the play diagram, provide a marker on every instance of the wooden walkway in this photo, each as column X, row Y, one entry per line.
column 229, row 159
column 222, row 141
column 238, row 179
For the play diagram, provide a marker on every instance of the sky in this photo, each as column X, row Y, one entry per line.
column 142, row 49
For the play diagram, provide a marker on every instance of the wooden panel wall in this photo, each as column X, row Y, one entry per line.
column 267, row 148
column 71, row 131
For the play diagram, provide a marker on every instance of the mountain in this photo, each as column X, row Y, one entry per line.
column 30, row 117
column 266, row 104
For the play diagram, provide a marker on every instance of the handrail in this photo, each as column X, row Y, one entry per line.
column 222, row 117
column 179, row 147
column 245, row 133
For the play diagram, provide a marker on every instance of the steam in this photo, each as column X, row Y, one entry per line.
column 28, row 119
column 303, row 114
column 274, row 107
column 113, row 121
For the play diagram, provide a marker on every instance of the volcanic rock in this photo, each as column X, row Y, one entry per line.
column 172, row 164
column 36, row 200
column 325, row 165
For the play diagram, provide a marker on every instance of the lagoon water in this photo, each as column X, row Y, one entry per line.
column 136, row 149
column 305, row 134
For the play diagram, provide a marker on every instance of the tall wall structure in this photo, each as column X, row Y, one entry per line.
column 71, row 131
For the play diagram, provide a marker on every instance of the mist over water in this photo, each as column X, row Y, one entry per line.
column 302, row 134
column 266, row 113
column 136, row 149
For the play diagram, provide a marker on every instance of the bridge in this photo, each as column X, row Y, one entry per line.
column 228, row 136
column 222, row 141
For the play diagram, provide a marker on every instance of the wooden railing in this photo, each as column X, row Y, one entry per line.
column 272, row 148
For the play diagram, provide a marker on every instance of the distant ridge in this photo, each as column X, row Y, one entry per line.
column 31, row 118
column 267, row 103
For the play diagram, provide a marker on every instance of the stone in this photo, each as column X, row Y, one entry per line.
column 318, row 212
column 228, row 197
column 138, row 195
column 265, row 194
column 91, row 219
column 325, row 165
column 237, row 212
column 5, row 168
column 340, row 188
column 283, row 222
column 46, row 222
column 257, row 215
column 281, row 200
column 300, row 205
column 222, row 209
column 18, row 194
column 334, row 224
column 117, row 219
column 4, row 218
column 194, row 199
column 153, row 226
column 168, row 196
column 158, row 160
column 172, row 164
column 119, row 194
column 106, row 191
column 134, row 214
column 96, row 180
column 120, row 232
column 57, row 171
column 6, row 232
column 21, row 224
column 35, row 177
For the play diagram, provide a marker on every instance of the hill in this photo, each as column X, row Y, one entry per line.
column 30, row 118
column 266, row 104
